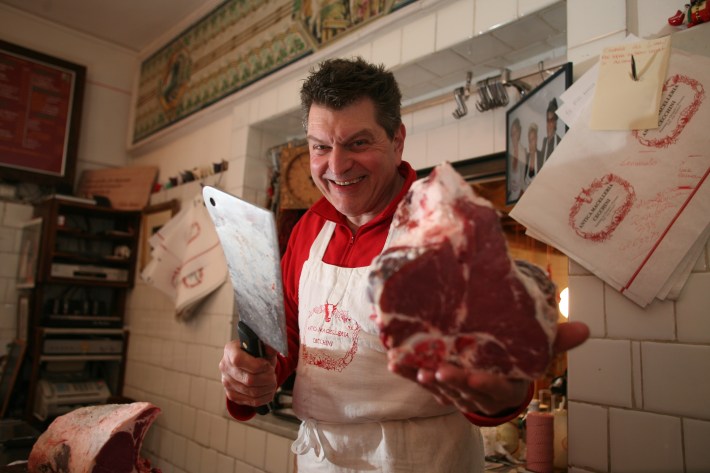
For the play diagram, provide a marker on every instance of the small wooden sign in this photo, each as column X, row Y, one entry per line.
column 127, row 188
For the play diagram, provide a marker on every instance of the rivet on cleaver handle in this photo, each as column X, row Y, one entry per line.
column 251, row 344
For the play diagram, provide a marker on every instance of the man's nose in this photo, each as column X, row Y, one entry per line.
column 340, row 161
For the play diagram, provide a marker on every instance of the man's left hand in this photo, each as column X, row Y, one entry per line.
column 486, row 393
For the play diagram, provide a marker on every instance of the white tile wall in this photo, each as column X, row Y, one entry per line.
column 696, row 436
column 693, row 308
column 665, row 428
column 454, row 24
column 676, row 380
column 600, row 372
column 641, row 441
column 588, row 436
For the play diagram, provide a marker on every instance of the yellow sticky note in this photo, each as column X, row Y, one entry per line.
column 622, row 102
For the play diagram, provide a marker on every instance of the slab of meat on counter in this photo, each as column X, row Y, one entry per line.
column 447, row 289
column 95, row 439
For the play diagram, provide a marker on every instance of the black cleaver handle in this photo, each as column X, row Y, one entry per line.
column 251, row 344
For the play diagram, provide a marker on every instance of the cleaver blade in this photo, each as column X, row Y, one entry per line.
column 249, row 240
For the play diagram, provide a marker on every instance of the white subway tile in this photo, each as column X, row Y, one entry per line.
column 442, row 144
column 208, row 460
column 215, row 401
column 426, row 119
column 218, row 433
column 696, row 440
column 387, row 49
column 587, row 21
column 418, row 38
column 187, row 421
column 642, row 441
column 675, row 379
column 288, row 95
column 192, row 457
column 693, row 309
column 415, row 150
column 600, row 372
column 624, row 319
column 167, row 444
column 525, row 7
column 586, row 303
column 476, row 134
column 236, row 439
column 587, row 436
column 489, row 14
column 278, row 457
column 210, row 359
column 179, row 457
column 224, row 463
column 197, row 391
column 454, row 24
column 194, row 353
column 255, row 447
column 202, row 428
column 363, row 50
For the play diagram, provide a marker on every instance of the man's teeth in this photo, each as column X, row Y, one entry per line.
column 348, row 183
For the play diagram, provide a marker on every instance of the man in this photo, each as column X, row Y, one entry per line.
column 551, row 139
column 358, row 415
column 533, row 157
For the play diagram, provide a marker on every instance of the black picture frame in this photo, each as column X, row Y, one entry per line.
column 530, row 116
column 42, row 117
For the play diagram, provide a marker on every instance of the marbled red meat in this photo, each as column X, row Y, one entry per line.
column 95, row 439
column 447, row 289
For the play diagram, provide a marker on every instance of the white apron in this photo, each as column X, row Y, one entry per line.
column 357, row 416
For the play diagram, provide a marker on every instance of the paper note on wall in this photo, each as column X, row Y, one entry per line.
column 622, row 102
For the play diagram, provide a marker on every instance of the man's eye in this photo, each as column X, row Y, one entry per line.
column 358, row 143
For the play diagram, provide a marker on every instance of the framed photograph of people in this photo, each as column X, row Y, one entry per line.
column 533, row 131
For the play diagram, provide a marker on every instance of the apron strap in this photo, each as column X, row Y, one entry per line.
column 309, row 438
column 321, row 242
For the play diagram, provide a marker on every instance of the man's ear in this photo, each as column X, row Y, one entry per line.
column 398, row 140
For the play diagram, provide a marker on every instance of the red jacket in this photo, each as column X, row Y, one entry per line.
column 345, row 250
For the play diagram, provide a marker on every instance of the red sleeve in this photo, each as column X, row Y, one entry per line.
column 484, row 421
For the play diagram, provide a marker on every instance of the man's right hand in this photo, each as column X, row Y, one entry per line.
column 247, row 380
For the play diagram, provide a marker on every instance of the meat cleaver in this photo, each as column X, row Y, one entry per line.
column 250, row 244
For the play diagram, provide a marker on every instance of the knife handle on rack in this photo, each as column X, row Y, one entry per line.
column 251, row 344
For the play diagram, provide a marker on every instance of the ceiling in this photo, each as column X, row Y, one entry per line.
column 139, row 24
column 133, row 24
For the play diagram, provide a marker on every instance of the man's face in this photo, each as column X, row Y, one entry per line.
column 532, row 139
column 551, row 124
column 353, row 161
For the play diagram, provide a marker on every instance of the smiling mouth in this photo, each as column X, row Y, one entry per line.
column 348, row 182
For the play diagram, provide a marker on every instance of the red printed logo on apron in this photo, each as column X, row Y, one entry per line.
column 331, row 338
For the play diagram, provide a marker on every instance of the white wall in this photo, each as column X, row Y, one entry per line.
column 639, row 389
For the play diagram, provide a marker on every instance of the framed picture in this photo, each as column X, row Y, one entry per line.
column 154, row 217
column 42, row 116
column 533, row 131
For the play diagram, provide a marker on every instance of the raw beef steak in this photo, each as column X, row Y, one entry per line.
column 447, row 290
column 95, row 439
